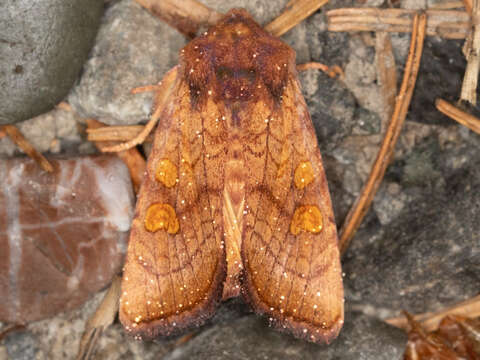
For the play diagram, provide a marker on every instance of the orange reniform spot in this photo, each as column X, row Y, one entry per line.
column 303, row 174
column 161, row 216
column 306, row 218
column 166, row 173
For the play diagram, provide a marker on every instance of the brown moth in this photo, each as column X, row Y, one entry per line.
column 235, row 199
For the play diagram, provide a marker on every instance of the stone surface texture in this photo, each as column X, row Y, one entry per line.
column 62, row 235
column 43, row 45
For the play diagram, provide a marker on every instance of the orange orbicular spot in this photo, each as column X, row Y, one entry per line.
column 306, row 218
column 161, row 217
column 166, row 173
column 303, row 174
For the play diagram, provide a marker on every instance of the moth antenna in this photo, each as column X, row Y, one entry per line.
column 140, row 138
column 163, row 90
column 146, row 88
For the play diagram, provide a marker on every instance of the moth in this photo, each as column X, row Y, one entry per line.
column 235, row 199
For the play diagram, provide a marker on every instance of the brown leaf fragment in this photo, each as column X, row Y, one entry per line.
column 453, row 340
column 424, row 346
column 462, row 334
column 430, row 321
column 100, row 321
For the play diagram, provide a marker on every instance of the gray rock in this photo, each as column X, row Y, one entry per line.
column 366, row 122
column 56, row 131
column 441, row 69
column 331, row 107
column 133, row 48
column 389, row 202
column 428, row 256
column 43, row 45
column 250, row 337
column 21, row 345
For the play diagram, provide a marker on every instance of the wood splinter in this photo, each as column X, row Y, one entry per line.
column 462, row 117
column 17, row 137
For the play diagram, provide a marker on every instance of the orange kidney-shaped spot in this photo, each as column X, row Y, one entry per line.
column 306, row 218
column 166, row 173
column 161, row 217
column 303, row 174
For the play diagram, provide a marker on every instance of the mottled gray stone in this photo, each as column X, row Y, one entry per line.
column 428, row 256
column 366, row 122
column 389, row 202
column 43, row 45
column 250, row 337
column 441, row 76
column 21, row 345
column 331, row 107
column 56, row 131
column 133, row 48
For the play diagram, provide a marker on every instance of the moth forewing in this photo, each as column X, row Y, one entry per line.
column 175, row 263
column 293, row 272
column 235, row 198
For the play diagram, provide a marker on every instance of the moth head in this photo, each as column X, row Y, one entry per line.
column 236, row 60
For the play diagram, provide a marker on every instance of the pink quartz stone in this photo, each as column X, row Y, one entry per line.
column 62, row 235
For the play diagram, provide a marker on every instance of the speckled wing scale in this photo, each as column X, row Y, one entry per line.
column 235, row 199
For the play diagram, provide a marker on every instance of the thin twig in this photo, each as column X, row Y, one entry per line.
column 430, row 320
column 146, row 88
column 9, row 329
column 359, row 209
column 387, row 74
column 470, row 121
column 449, row 24
column 468, row 5
column 470, row 80
column 187, row 16
column 332, row 71
column 132, row 158
column 294, row 13
column 18, row 138
column 114, row 133
column 448, row 5
column 100, row 321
